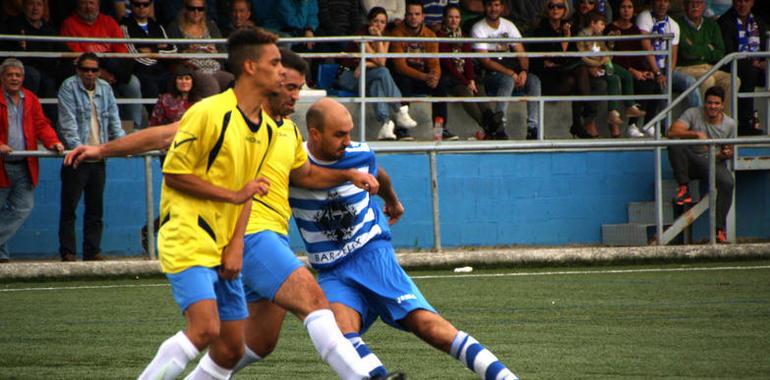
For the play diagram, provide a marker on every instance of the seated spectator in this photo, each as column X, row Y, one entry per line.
column 153, row 74
column 519, row 12
column 394, row 8
column 566, row 75
column 192, row 23
column 41, row 75
column 181, row 96
column 457, row 74
column 22, row 125
column 691, row 161
column 88, row 115
column 619, row 80
column 379, row 82
column 647, row 77
column 585, row 7
column 700, row 47
column 505, row 76
column 743, row 32
column 87, row 21
column 240, row 16
column 434, row 12
column 338, row 18
column 298, row 18
column 417, row 76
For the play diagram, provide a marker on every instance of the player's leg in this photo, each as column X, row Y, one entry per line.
column 349, row 322
column 263, row 327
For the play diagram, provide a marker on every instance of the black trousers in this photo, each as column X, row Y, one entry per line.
column 88, row 177
column 688, row 164
column 412, row 87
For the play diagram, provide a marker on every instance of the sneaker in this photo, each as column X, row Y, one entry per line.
column 448, row 136
column 480, row 135
column 683, row 195
column 403, row 119
column 635, row 111
column 721, row 236
column 649, row 132
column 613, row 118
column 531, row 133
column 4, row 260
column 69, row 257
column 634, row 131
column 386, row 131
column 403, row 135
column 499, row 135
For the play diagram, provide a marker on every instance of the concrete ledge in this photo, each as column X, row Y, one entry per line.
column 453, row 258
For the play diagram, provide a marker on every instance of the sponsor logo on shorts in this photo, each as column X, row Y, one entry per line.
column 405, row 297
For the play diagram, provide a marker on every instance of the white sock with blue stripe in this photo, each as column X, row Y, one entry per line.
column 478, row 359
column 372, row 362
column 248, row 357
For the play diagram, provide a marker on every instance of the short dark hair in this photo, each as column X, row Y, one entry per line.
column 487, row 2
column 87, row 56
column 376, row 11
column 246, row 44
column 715, row 91
column 292, row 60
column 449, row 7
column 596, row 16
column 415, row 3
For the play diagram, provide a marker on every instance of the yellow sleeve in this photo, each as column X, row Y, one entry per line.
column 191, row 142
column 300, row 156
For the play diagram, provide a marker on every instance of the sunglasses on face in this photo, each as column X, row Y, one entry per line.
column 88, row 69
column 140, row 4
column 589, row 2
column 191, row 8
column 553, row 6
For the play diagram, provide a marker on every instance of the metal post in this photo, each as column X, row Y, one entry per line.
column 731, row 233
column 658, row 193
column 712, row 193
column 734, row 86
column 362, row 91
column 541, row 120
column 767, row 87
column 434, row 196
column 669, row 83
column 149, row 201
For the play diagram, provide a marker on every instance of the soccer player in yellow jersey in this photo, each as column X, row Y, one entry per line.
column 211, row 171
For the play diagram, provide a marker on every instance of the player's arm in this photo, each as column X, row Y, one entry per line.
column 393, row 207
column 311, row 176
column 232, row 256
column 159, row 137
column 197, row 187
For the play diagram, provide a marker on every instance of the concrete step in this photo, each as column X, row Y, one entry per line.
column 644, row 212
column 627, row 234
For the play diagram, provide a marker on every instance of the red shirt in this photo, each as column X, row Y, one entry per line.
column 104, row 26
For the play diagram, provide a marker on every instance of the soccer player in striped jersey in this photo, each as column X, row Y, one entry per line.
column 347, row 238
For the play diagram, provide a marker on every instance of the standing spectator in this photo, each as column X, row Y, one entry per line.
column 700, row 47
column 691, row 161
column 87, row 116
column 647, row 77
column 743, row 32
column 338, row 18
column 22, row 124
column 192, row 23
column 379, row 82
column 153, row 74
column 505, row 76
column 657, row 21
column 434, row 12
column 394, row 9
column 240, row 16
column 87, row 21
column 457, row 74
column 417, row 76
column 41, row 75
column 566, row 75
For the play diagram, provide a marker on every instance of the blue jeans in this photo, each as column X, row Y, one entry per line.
column 379, row 83
column 680, row 82
column 16, row 202
column 498, row 84
column 131, row 90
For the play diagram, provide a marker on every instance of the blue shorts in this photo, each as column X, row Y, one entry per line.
column 372, row 282
column 267, row 263
column 200, row 283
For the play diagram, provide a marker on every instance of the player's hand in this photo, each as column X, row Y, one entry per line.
column 259, row 187
column 393, row 210
column 58, row 148
column 5, row 149
column 365, row 181
column 232, row 260
column 81, row 153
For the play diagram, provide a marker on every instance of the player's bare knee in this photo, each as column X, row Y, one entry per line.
column 262, row 348
column 203, row 334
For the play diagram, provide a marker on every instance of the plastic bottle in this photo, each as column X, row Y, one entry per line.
column 438, row 128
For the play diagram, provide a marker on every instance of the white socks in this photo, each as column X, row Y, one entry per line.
column 248, row 357
column 478, row 359
column 334, row 349
column 208, row 370
column 171, row 359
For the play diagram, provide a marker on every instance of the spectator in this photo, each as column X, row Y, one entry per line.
column 520, row 12
column 691, row 162
column 657, row 21
column 566, row 75
column 505, row 76
column 166, row 11
column 87, row 116
column 87, row 21
column 338, row 18
column 742, row 32
column 22, row 124
column 647, row 77
column 192, row 23
column 394, row 9
column 41, row 75
column 153, row 75
column 700, row 47
column 619, row 80
column 298, row 18
column 457, row 74
column 172, row 105
column 240, row 16
column 379, row 82
column 417, row 76
column 585, row 7
column 434, row 12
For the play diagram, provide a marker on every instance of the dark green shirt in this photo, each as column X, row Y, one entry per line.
column 701, row 45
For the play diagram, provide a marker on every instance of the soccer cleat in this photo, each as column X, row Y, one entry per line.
column 403, row 119
column 683, row 195
column 634, row 132
column 721, row 236
column 403, row 135
column 396, row 375
column 386, row 131
column 448, row 136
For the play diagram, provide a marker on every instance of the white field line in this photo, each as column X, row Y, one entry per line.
column 480, row 275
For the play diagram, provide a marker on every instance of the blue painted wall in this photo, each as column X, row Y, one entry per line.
column 486, row 200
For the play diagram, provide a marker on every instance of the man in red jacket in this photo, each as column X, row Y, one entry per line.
column 22, row 124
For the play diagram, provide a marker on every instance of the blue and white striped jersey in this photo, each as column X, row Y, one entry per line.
column 336, row 222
